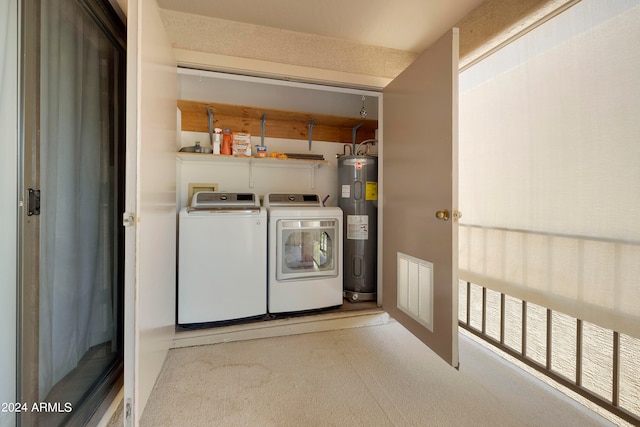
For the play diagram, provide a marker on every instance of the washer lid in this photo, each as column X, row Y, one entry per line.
column 285, row 199
column 216, row 199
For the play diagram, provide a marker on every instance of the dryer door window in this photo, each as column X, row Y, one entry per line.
column 307, row 248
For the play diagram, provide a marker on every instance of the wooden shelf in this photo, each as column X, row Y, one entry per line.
column 278, row 123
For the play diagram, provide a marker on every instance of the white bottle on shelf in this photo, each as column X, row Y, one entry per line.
column 216, row 141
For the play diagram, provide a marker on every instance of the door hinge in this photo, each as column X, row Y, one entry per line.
column 128, row 412
column 33, row 202
column 128, row 219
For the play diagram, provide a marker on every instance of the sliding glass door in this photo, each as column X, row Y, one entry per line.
column 71, row 299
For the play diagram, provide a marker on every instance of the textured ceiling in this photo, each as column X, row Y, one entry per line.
column 407, row 25
column 312, row 40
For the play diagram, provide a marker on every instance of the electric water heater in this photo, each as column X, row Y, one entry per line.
column 358, row 198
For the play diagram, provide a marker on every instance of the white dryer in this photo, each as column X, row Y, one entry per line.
column 222, row 263
column 305, row 253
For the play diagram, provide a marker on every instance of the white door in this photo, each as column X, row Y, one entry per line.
column 419, row 177
column 150, row 239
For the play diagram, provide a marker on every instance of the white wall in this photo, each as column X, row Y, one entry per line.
column 8, row 194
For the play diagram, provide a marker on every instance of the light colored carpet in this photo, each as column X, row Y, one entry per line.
column 371, row 376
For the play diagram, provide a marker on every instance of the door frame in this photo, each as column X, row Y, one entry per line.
column 377, row 94
column 131, row 339
column 28, row 226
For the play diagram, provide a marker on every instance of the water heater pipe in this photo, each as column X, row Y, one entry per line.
column 364, row 142
column 353, row 137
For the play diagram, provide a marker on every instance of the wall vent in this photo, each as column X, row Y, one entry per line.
column 415, row 289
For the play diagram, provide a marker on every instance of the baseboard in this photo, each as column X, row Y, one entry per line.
column 281, row 327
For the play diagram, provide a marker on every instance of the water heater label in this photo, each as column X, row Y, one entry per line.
column 346, row 191
column 357, row 227
column 372, row 190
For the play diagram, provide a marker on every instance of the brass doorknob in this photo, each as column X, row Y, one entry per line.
column 443, row 215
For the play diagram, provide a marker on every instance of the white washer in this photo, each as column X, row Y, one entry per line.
column 305, row 253
column 222, row 264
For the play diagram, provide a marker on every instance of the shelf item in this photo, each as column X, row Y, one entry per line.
column 304, row 156
column 274, row 123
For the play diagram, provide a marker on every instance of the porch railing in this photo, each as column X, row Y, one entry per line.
column 600, row 365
